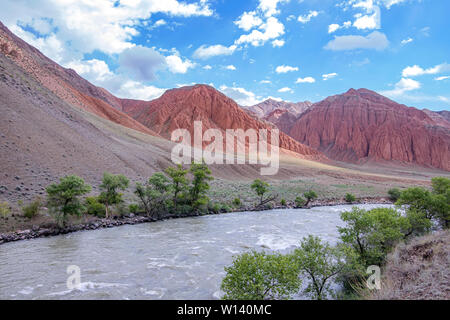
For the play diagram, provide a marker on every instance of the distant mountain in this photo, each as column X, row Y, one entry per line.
column 362, row 125
column 179, row 108
column 264, row 108
column 445, row 114
column 281, row 118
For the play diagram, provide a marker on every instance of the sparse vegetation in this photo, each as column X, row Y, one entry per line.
column 299, row 202
column 31, row 210
column 4, row 209
column 237, row 202
column 394, row 194
column 350, row 198
column 283, row 202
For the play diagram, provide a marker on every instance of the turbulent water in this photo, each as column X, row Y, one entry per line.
column 174, row 259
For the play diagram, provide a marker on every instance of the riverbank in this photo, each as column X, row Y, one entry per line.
column 48, row 230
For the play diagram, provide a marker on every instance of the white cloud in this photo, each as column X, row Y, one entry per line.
column 240, row 95
column 94, row 70
column 248, row 20
column 85, row 26
column 265, row 82
column 141, row 63
column 278, row 43
column 306, row 80
column 159, row 23
column 271, row 29
column 406, row 41
column 205, row 52
column 308, row 17
column 137, row 90
column 328, row 76
column 442, row 78
column 207, row 67
column 375, row 40
column 177, row 65
column 416, row 70
column 230, row 67
column 269, row 7
column 285, row 69
column 285, row 89
column 372, row 21
column 333, row 27
column 403, row 86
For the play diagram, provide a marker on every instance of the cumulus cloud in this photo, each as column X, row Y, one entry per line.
column 306, row 80
column 278, row 43
column 248, row 20
column 328, row 76
column 269, row 30
column 375, row 40
column 141, row 63
column 230, row 67
column 416, row 70
column 207, row 67
column 240, row 95
column 403, row 86
column 269, row 7
column 372, row 21
column 177, row 65
column 285, row 89
column 334, row 26
column 307, row 18
column 139, row 91
column 206, row 52
column 285, row 69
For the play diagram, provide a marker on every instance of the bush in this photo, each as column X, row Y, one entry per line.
column 299, row 202
column 283, row 202
column 94, row 207
column 111, row 184
column 261, row 188
column 350, row 198
column 260, row 276
column 4, row 209
column 237, row 202
column 134, row 208
column 394, row 194
column 31, row 210
column 214, row 207
column 226, row 208
column 310, row 195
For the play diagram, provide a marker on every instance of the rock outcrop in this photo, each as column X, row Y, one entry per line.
column 264, row 108
column 362, row 125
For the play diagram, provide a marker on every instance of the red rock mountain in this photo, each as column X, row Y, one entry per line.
column 179, row 108
column 282, row 118
column 65, row 83
column 362, row 125
column 265, row 108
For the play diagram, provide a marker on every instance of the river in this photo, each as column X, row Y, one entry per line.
column 172, row 259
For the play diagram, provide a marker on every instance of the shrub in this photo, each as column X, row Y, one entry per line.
column 310, row 195
column 261, row 188
column 226, row 208
column 261, row 276
column 283, row 202
column 4, row 209
column 31, row 210
column 299, row 202
column 134, row 208
column 94, row 207
column 350, row 198
column 237, row 202
column 394, row 194
column 215, row 208
column 63, row 198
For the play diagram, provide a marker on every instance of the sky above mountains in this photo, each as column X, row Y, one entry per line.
column 293, row 50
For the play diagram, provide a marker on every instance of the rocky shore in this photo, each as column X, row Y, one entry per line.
column 131, row 219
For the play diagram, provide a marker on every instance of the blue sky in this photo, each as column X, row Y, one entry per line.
column 293, row 50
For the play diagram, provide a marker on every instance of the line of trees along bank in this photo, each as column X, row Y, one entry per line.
column 364, row 241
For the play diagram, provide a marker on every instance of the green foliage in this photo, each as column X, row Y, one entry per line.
column 299, row 202
column 310, row 195
column 94, row 207
column 320, row 263
column 226, row 208
column 154, row 194
column 372, row 234
column 350, row 198
column 260, row 276
column 199, row 185
column 111, row 184
column 261, row 188
column 179, row 184
column 134, row 208
column 394, row 194
column 32, row 209
column 4, row 209
column 237, row 202
column 63, row 198
column 440, row 185
column 283, row 202
column 431, row 205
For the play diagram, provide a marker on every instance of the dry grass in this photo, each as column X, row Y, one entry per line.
column 419, row 270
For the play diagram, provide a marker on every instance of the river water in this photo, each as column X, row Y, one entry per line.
column 173, row 259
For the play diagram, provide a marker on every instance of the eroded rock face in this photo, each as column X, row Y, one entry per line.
column 363, row 125
column 282, row 118
column 265, row 108
column 179, row 108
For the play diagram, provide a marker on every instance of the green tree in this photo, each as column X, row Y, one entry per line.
column 64, row 198
column 94, row 207
column 261, row 188
column 199, row 185
column 320, row 263
column 111, row 184
column 154, row 194
column 310, row 195
column 440, row 185
column 179, row 184
column 373, row 233
column 261, row 276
